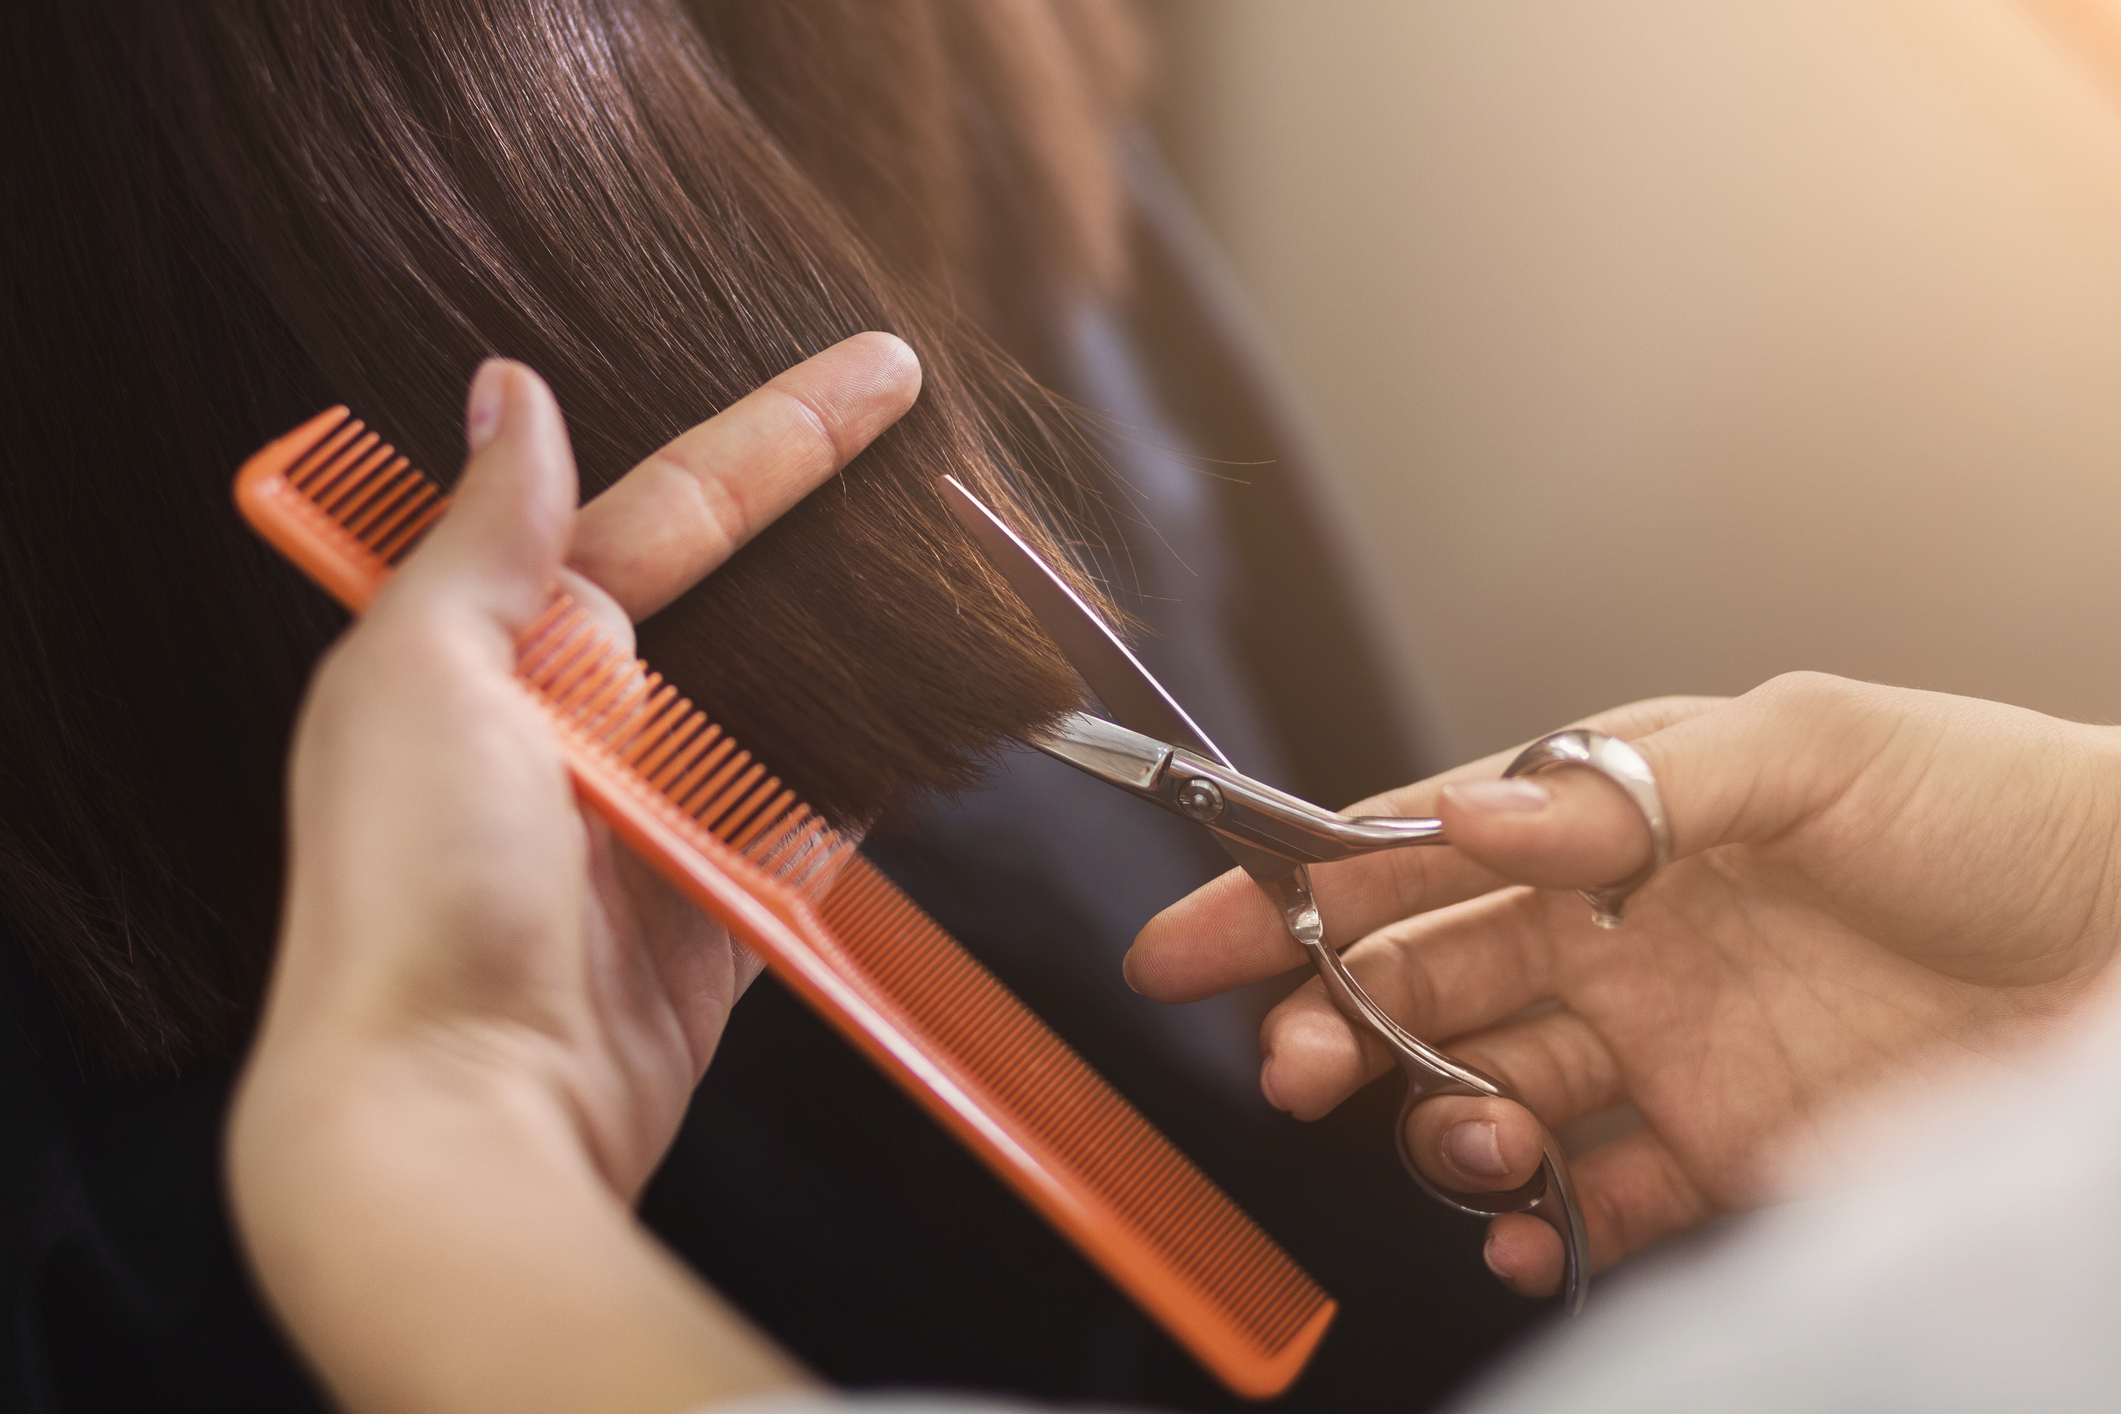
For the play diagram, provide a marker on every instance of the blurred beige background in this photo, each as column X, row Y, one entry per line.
column 1668, row 344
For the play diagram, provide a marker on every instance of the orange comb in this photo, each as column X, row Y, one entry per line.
column 338, row 501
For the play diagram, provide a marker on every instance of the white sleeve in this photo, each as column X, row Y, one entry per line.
column 1978, row 1268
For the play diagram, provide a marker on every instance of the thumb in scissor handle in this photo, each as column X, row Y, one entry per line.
column 1549, row 1195
column 1623, row 765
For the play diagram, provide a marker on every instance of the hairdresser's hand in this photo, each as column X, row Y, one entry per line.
column 1865, row 882
column 486, row 1017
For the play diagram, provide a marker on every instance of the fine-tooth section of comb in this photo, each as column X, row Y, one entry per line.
column 341, row 503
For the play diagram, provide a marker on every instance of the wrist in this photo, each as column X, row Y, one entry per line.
column 436, row 1236
column 326, row 1128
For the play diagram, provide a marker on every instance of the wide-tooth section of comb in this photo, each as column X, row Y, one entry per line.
column 690, row 801
column 656, row 744
column 340, row 502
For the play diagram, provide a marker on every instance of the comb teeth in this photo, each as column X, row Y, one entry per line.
column 340, row 502
column 1030, row 1072
column 614, row 705
column 360, row 481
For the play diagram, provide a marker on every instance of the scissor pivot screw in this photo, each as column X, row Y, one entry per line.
column 1201, row 800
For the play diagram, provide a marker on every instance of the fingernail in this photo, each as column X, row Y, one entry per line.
column 1518, row 797
column 1266, row 1082
column 1472, row 1148
column 1487, row 1254
column 482, row 412
column 1126, row 972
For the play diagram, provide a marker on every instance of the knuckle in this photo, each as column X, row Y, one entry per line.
column 819, row 430
column 722, row 512
column 1807, row 689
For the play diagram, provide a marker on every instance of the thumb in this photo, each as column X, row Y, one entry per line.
column 500, row 547
column 1730, row 772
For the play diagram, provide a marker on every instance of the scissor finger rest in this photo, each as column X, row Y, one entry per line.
column 1549, row 1195
column 1430, row 1073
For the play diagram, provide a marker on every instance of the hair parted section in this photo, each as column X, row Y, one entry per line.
column 230, row 213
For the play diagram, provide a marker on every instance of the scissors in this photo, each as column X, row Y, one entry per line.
column 1153, row 750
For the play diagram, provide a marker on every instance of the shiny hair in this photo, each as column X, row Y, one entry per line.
column 226, row 214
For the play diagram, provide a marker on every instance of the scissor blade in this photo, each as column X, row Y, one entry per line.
column 1136, row 700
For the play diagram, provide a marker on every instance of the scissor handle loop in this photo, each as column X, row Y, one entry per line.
column 1548, row 1195
column 1624, row 766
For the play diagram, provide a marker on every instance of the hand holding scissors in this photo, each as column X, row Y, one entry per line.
column 1153, row 750
column 1867, row 886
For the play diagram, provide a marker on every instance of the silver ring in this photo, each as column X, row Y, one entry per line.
column 1623, row 765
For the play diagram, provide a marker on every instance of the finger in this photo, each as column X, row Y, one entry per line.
column 1743, row 771
column 603, row 610
column 1227, row 935
column 1633, row 1192
column 1554, row 1063
column 664, row 525
column 498, row 549
column 1440, row 974
column 1474, row 1144
column 1222, row 935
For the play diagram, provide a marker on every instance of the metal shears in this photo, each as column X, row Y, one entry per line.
column 1153, row 750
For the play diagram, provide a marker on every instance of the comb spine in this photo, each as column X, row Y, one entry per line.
column 788, row 935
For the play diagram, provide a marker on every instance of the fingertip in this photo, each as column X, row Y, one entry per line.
column 527, row 445
column 871, row 380
column 1474, row 1144
column 1473, row 1147
column 1224, row 934
column 510, row 512
column 504, row 397
column 898, row 368
column 482, row 404
column 1147, row 963
column 854, row 391
column 1266, row 1083
column 1126, row 970
column 1497, row 1261
column 1499, row 796
column 1313, row 1058
column 1524, row 1254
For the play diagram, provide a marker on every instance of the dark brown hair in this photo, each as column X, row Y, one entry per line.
column 225, row 214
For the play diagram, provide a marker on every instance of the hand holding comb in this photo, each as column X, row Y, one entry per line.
column 340, row 503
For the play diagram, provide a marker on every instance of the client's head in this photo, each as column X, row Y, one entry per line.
column 232, row 212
